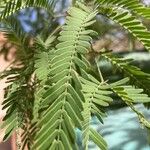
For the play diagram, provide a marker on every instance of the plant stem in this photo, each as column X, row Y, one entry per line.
column 56, row 30
column 99, row 71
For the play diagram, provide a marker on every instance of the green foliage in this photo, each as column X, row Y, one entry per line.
column 64, row 99
column 54, row 93
column 133, row 6
column 8, row 7
column 137, row 77
column 96, row 97
column 125, row 15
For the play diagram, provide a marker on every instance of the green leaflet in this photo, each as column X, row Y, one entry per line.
column 41, row 65
column 75, row 105
column 54, row 145
column 80, row 63
column 81, row 49
column 9, row 130
column 7, row 104
column 66, row 54
column 59, row 68
column 85, row 37
column 88, row 83
column 84, row 44
column 50, row 112
column 8, row 121
column 84, row 8
column 46, row 143
column 69, row 125
column 72, row 21
column 75, row 96
column 99, row 114
column 94, row 94
column 47, row 135
column 76, row 79
column 89, row 32
column 68, row 28
column 61, row 61
column 120, row 82
column 55, row 87
column 60, row 75
column 98, row 140
column 102, row 103
column 62, row 50
column 49, row 41
column 67, row 132
column 65, row 141
column 68, row 37
column 84, row 59
column 53, row 95
column 103, row 97
column 73, row 115
column 78, row 13
column 50, row 120
column 88, row 24
column 8, row 134
column 91, row 78
column 60, row 146
column 135, row 74
column 136, row 97
column 65, row 44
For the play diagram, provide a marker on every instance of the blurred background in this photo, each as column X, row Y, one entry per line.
column 121, row 128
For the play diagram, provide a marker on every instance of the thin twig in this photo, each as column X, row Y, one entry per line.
column 99, row 71
column 56, row 30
